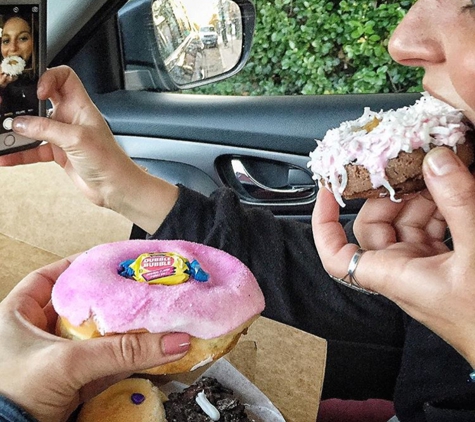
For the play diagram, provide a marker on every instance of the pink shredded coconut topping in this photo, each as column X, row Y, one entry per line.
column 428, row 122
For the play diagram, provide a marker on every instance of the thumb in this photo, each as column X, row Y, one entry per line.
column 452, row 187
column 104, row 356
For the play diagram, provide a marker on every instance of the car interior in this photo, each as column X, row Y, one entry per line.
column 257, row 145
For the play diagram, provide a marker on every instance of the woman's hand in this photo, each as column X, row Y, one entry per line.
column 80, row 141
column 49, row 376
column 406, row 259
column 6, row 79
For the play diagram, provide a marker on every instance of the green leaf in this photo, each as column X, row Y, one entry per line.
column 314, row 47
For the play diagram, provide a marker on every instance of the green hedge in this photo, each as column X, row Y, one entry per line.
column 322, row 47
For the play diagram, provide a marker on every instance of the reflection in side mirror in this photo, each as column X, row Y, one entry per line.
column 176, row 44
column 197, row 39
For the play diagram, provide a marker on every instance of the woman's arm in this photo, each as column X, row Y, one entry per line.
column 79, row 140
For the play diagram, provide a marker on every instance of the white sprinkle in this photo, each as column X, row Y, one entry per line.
column 203, row 402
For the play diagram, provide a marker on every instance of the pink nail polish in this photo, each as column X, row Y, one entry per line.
column 175, row 343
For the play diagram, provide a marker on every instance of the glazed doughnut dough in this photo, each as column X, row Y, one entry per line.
column 129, row 400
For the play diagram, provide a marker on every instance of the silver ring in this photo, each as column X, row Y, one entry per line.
column 350, row 280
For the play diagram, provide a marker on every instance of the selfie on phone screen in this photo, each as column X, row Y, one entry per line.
column 20, row 70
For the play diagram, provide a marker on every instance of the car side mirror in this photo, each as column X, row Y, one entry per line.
column 170, row 45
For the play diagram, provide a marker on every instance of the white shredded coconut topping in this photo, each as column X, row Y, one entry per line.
column 428, row 121
column 13, row 65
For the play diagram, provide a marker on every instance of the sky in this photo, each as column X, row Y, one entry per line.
column 201, row 11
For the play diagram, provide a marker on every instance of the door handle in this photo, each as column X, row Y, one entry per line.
column 259, row 191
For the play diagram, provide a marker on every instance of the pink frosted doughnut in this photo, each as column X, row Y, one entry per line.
column 91, row 293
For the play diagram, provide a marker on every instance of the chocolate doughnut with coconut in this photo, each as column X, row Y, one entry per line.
column 381, row 153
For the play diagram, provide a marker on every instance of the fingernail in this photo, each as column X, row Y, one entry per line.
column 441, row 161
column 175, row 343
column 19, row 124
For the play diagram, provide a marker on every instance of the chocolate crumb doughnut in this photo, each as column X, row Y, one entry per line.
column 185, row 406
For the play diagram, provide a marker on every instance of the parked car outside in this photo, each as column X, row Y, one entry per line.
column 209, row 36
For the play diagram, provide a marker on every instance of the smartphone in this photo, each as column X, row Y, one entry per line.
column 23, row 57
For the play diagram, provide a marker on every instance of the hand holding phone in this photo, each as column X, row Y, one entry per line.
column 23, row 51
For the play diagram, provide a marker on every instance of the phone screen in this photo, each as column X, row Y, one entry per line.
column 21, row 66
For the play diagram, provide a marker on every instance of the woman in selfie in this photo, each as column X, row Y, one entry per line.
column 414, row 342
column 18, row 77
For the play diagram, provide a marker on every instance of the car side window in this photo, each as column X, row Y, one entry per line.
column 300, row 47
column 309, row 47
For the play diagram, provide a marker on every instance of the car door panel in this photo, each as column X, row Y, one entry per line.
column 204, row 167
column 284, row 124
column 195, row 139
